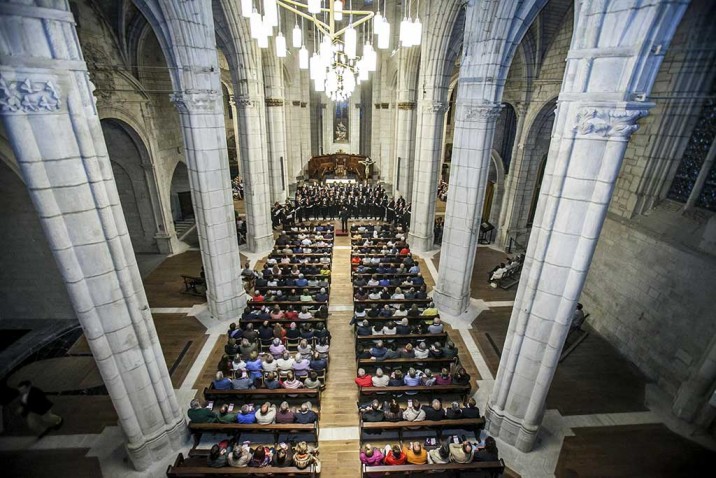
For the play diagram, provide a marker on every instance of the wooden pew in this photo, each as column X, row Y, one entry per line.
column 463, row 390
column 195, row 466
column 400, row 362
column 441, row 337
column 428, row 319
column 285, row 303
column 211, row 393
column 472, row 424
column 492, row 468
column 381, row 302
column 198, row 429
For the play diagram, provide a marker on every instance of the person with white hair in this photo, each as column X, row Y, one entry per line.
column 380, row 379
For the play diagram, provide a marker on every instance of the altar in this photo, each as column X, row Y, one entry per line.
column 340, row 167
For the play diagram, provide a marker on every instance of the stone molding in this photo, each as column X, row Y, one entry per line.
column 187, row 102
column 303, row 104
column 608, row 123
column 434, row 106
column 480, row 112
column 274, row 101
column 406, row 105
column 245, row 102
column 28, row 96
column 296, row 103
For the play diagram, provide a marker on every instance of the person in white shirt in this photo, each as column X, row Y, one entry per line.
column 421, row 351
column 380, row 379
column 285, row 363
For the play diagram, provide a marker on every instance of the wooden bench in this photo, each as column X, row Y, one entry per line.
column 492, row 468
column 397, row 363
column 463, row 390
column 286, row 323
column 195, row 466
column 211, row 393
column 297, row 304
column 198, row 429
column 428, row 319
column 442, row 336
column 472, row 424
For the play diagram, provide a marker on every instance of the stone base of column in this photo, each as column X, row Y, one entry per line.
column 260, row 245
column 164, row 243
column 510, row 430
column 450, row 305
column 421, row 243
column 155, row 448
column 229, row 309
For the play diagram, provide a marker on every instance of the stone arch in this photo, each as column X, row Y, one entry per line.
column 181, row 200
column 134, row 177
column 495, row 178
column 505, row 131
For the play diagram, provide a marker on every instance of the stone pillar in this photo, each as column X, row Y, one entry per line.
column 276, row 121
column 202, row 122
column 515, row 181
column 474, row 130
column 584, row 160
column 49, row 114
column 255, row 171
column 693, row 398
column 405, row 147
column 430, row 131
column 597, row 111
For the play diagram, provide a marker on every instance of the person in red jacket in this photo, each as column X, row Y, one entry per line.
column 363, row 379
column 394, row 456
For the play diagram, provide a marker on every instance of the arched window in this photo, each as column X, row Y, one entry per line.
column 695, row 179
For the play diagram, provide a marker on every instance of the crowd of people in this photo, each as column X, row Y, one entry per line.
column 239, row 455
column 414, row 377
column 455, row 450
column 442, row 190
column 511, row 268
column 237, row 188
column 339, row 200
column 267, row 414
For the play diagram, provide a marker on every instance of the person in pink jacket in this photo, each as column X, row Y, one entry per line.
column 371, row 456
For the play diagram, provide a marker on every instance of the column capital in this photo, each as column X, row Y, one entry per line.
column 406, row 105
column 274, row 101
column 25, row 95
column 482, row 112
column 188, row 102
column 245, row 101
column 608, row 122
column 435, row 107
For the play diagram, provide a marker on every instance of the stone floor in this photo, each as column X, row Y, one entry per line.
column 596, row 423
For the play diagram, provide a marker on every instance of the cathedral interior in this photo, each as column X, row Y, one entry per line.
column 537, row 176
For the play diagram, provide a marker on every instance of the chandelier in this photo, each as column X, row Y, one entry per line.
column 335, row 66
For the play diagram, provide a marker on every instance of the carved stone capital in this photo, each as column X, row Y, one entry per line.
column 406, row 105
column 479, row 112
column 195, row 102
column 607, row 122
column 28, row 96
column 246, row 102
column 434, row 107
column 274, row 101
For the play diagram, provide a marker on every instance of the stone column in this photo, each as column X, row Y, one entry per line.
column 204, row 133
column 597, row 111
column 405, row 146
column 49, row 114
column 430, row 131
column 474, row 130
column 584, row 160
column 515, row 181
column 692, row 401
column 255, row 171
column 276, row 121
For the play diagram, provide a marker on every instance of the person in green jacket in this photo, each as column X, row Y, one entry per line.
column 199, row 414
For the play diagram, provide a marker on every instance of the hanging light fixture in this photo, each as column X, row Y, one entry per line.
column 303, row 58
column 314, row 6
column 334, row 66
column 247, row 8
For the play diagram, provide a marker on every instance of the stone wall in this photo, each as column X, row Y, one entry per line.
column 652, row 300
column 30, row 283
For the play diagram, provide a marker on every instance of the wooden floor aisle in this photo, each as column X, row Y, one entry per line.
column 339, row 457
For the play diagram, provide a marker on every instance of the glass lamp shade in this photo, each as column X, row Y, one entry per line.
column 363, row 70
column 351, row 39
column 297, row 37
column 405, row 31
column 377, row 23
column 271, row 13
column 314, row 6
column 255, row 25
column 338, row 10
column 417, row 31
column 280, row 45
column 315, row 64
column 263, row 41
column 303, row 58
column 384, row 36
column 247, row 8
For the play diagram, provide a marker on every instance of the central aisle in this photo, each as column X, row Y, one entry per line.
column 339, row 418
